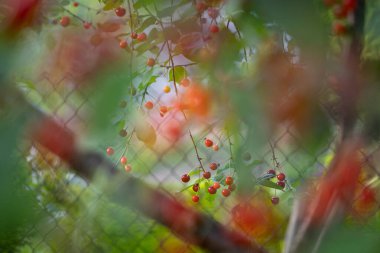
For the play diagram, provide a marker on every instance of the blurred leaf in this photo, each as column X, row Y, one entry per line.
column 179, row 73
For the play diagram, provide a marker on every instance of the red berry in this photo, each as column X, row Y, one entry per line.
column 214, row 28
column 185, row 178
column 207, row 174
column 275, row 200
column 229, row 180
column 123, row 44
column 123, row 160
column 350, row 5
column 65, row 21
column 150, row 62
column 163, row 109
column 134, row 35
column 141, row 37
column 86, row 25
column 196, row 187
column 226, row 192
column 215, row 147
column 110, row 151
column 281, row 184
column 195, row 198
column 213, row 166
column 213, row 13
column 281, row 177
column 273, row 172
column 208, row 143
column 216, row 185
column 128, row 168
column 120, row 11
column 232, row 187
column 201, row 6
column 211, row 190
column 339, row 29
column 149, row 105
column 75, row 4
column 340, row 12
column 185, row 82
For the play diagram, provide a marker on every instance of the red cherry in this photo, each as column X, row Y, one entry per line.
column 65, row 21
column 208, row 143
column 213, row 13
column 196, row 187
column 185, row 178
column 75, row 4
column 163, row 109
column 339, row 29
column 134, row 35
column 213, row 166
column 195, row 198
column 149, row 105
column 232, row 187
column 123, row 44
column 141, row 37
column 215, row 147
column 273, row 172
column 281, row 184
column 128, row 168
column 207, row 174
column 185, row 82
column 340, row 12
column 226, row 192
column 229, row 180
column 150, row 62
column 201, row 7
column 281, row 177
column 216, row 185
column 86, row 25
column 120, row 11
column 211, row 190
column 214, row 28
column 350, row 5
column 110, row 151
column 275, row 200
column 123, row 160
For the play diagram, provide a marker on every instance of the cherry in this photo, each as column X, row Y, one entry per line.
column 339, row 29
column 232, row 187
column 195, row 198
column 229, row 180
column 75, row 4
column 185, row 178
column 271, row 171
column 110, row 151
column 216, row 185
column 65, row 21
column 123, row 133
column 163, row 109
column 166, row 89
column 201, row 7
column 211, row 190
column 214, row 28
column 226, row 192
column 213, row 13
column 134, row 35
column 185, row 82
column 141, row 37
column 123, row 160
column 149, row 105
column 150, row 62
column 123, row 44
column 350, row 5
column 86, row 25
column 120, row 11
column 275, row 200
column 281, row 184
column 208, row 143
column 215, row 147
column 281, row 177
column 213, row 166
column 196, row 187
column 207, row 174
column 340, row 12
column 128, row 168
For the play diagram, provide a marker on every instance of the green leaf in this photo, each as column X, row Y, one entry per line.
column 179, row 73
column 111, row 4
column 141, row 3
column 269, row 184
column 146, row 23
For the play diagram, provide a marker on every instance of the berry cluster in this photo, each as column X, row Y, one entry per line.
column 341, row 10
column 281, row 181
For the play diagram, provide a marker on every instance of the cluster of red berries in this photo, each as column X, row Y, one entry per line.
column 280, row 182
column 341, row 10
column 139, row 37
column 123, row 160
column 209, row 143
